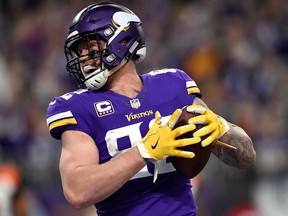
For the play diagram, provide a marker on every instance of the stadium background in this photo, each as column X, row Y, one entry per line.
column 237, row 52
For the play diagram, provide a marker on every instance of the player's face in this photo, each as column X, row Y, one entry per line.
column 87, row 51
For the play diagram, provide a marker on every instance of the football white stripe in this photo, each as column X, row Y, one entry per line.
column 58, row 116
column 190, row 84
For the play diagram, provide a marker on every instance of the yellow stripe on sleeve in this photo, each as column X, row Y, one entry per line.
column 62, row 123
column 193, row 90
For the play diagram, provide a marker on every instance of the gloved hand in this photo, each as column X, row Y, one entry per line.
column 215, row 126
column 160, row 141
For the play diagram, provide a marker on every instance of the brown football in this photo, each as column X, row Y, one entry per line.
column 186, row 166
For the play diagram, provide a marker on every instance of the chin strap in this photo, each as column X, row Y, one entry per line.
column 107, row 73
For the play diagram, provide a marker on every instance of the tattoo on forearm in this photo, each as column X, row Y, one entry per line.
column 244, row 156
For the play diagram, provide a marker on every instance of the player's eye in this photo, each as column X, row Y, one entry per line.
column 95, row 53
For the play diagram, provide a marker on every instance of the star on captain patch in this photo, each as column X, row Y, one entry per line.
column 135, row 103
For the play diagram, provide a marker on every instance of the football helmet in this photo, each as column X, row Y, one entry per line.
column 121, row 31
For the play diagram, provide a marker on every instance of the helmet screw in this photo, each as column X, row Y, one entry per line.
column 108, row 32
column 111, row 57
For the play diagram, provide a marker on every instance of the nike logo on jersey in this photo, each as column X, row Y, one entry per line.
column 155, row 145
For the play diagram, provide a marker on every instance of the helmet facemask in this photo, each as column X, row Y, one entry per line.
column 96, row 79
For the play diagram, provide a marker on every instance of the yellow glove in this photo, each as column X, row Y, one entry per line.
column 160, row 141
column 215, row 126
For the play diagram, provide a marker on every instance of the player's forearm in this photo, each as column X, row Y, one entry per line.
column 93, row 183
column 245, row 154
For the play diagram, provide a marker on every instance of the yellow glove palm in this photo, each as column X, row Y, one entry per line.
column 215, row 126
column 160, row 141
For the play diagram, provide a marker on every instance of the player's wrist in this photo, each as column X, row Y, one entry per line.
column 224, row 127
column 224, row 138
column 144, row 153
column 148, row 158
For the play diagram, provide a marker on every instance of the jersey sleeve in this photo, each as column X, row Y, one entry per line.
column 60, row 118
column 191, row 86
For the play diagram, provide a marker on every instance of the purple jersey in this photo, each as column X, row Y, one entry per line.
column 116, row 123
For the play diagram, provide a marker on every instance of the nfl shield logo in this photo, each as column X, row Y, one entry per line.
column 135, row 103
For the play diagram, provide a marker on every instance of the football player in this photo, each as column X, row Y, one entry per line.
column 117, row 130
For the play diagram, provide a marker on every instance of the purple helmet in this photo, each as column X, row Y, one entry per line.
column 122, row 33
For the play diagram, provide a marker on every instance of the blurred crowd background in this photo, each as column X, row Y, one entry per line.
column 236, row 51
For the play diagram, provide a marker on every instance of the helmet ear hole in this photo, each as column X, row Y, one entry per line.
column 125, row 41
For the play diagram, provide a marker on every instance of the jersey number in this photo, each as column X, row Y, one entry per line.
column 134, row 136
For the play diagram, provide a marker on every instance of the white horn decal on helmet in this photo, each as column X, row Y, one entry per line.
column 123, row 20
